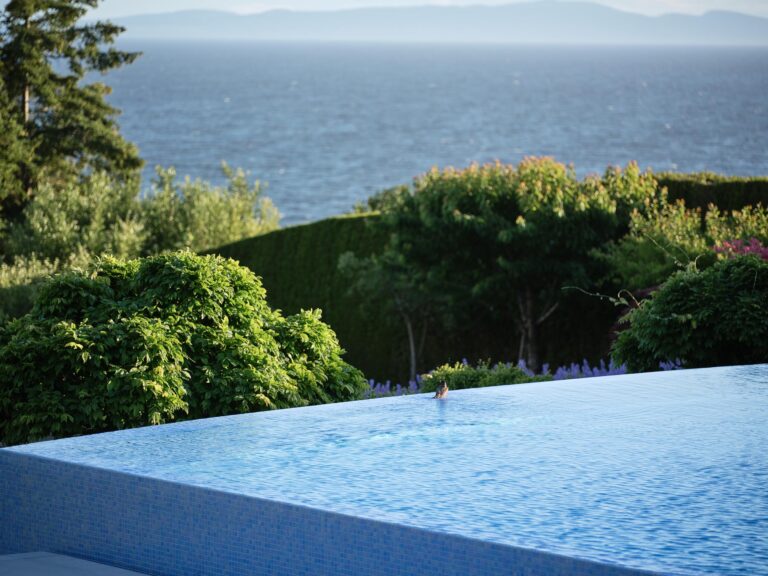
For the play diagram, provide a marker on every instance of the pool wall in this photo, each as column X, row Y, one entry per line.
column 170, row 529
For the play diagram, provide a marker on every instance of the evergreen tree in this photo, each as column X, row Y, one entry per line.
column 66, row 124
column 14, row 152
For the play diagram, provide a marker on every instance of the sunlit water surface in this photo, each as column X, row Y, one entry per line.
column 665, row 471
column 327, row 125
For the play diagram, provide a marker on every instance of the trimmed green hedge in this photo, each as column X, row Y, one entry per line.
column 299, row 269
column 726, row 192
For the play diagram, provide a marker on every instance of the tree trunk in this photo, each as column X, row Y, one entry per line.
column 411, row 346
column 26, row 95
column 25, row 105
column 26, row 113
column 422, row 341
column 529, row 349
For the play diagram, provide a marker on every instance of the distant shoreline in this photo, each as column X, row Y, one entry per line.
column 134, row 40
column 539, row 23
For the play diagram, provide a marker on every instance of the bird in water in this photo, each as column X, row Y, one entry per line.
column 442, row 391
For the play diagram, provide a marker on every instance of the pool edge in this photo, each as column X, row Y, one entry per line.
column 168, row 528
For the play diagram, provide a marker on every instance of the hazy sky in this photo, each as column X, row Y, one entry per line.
column 112, row 8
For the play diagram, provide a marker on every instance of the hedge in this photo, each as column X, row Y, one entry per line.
column 298, row 266
column 701, row 189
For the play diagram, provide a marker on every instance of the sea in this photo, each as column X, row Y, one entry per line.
column 324, row 126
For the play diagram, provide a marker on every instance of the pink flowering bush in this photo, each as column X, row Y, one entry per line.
column 732, row 248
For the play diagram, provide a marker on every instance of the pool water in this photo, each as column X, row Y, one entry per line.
column 664, row 471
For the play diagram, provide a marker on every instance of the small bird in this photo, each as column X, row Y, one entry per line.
column 442, row 391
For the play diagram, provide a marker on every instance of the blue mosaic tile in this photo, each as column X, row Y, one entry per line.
column 169, row 529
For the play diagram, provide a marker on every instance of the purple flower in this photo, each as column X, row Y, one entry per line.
column 673, row 365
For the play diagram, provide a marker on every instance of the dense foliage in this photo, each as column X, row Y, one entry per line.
column 70, row 222
column 502, row 239
column 137, row 342
column 299, row 268
column 69, row 183
column 99, row 215
column 669, row 236
column 64, row 123
column 19, row 283
column 89, row 216
column 712, row 317
column 196, row 215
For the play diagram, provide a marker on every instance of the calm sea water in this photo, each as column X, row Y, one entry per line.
column 663, row 471
column 327, row 125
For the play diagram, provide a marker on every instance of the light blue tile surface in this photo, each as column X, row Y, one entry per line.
column 168, row 529
column 286, row 492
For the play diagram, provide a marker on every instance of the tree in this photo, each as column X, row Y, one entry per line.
column 386, row 278
column 14, row 151
column 45, row 55
column 508, row 239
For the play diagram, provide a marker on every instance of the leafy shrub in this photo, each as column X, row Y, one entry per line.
column 311, row 350
column 68, row 222
column 739, row 247
column 92, row 215
column 461, row 375
column 99, row 215
column 669, row 237
column 19, row 283
column 199, row 216
column 137, row 342
column 744, row 224
column 382, row 201
column 710, row 318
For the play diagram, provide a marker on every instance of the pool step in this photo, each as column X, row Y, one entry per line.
column 47, row 564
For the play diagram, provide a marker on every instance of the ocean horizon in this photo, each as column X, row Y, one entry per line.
column 326, row 125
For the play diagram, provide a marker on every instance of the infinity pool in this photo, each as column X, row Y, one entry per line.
column 665, row 472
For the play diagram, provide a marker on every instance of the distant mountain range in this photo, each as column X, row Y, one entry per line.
column 542, row 22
